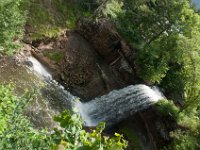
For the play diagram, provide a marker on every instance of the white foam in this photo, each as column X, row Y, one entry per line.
column 118, row 105
column 38, row 68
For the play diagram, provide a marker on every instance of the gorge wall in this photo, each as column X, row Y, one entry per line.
column 101, row 60
column 96, row 60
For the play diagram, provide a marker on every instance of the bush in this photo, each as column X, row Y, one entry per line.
column 182, row 139
column 74, row 137
column 166, row 108
column 17, row 132
column 11, row 25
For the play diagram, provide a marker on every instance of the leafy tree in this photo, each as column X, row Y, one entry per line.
column 167, row 34
column 189, row 135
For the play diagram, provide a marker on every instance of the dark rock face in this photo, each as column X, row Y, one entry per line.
column 92, row 66
column 103, row 38
column 151, row 128
column 158, row 126
column 115, row 52
column 83, row 72
column 104, row 62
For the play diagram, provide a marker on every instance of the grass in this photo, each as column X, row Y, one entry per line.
column 48, row 18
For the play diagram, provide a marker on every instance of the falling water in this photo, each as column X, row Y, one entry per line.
column 110, row 108
column 52, row 85
column 38, row 68
column 51, row 98
column 118, row 105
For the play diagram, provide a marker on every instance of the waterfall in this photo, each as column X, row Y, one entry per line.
column 38, row 68
column 118, row 105
column 51, row 99
column 111, row 108
column 54, row 88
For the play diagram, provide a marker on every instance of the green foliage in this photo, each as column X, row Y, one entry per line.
column 48, row 18
column 74, row 137
column 182, row 139
column 56, row 56
column 185, row 140
column 153, row 62
column 11, row 25
column 188, row 139
column 174, row 82
column 142, row 21
column 112, row 8
column 16, row 131
column 166, row 108
column 167, row 35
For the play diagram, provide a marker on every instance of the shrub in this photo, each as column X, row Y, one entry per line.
column 166, row 107
column 11, row 25
column 17, row 132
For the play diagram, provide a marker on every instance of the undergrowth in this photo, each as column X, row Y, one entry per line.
column 49, row 18
column 55, row 56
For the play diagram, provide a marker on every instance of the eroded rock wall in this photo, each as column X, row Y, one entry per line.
column 83, row 72
column 113, row 50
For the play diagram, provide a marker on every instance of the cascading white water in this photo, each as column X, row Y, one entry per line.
column 110, row 108
column 117, row 105
column 51, row 99
column 53, row 86
column 38, row 68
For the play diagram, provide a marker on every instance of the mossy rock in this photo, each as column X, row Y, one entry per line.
column 55, row 56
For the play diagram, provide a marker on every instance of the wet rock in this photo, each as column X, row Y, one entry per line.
column 28, row 63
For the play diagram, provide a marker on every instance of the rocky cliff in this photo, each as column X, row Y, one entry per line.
column 95, row 60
